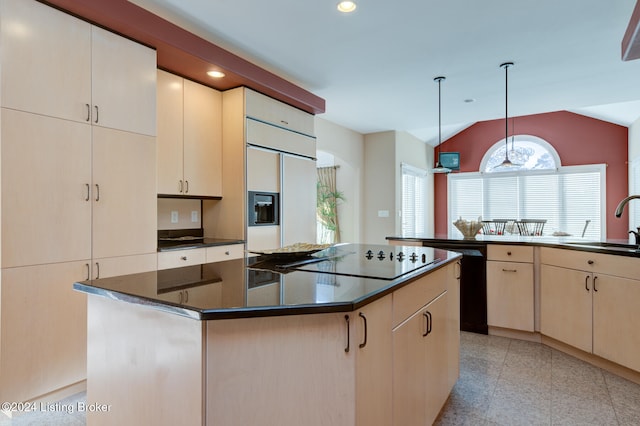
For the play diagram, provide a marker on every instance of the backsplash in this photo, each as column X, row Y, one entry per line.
column 179, row 214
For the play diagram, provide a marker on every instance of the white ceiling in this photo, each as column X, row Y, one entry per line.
column 375, row 67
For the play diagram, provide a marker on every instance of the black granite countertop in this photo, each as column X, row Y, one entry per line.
column 253, row 287
column 615, row 247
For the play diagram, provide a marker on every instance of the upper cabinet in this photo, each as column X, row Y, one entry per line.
column 189, row 138
column 57, row 65
column 264, row 108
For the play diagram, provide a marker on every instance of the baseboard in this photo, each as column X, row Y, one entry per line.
column 595, row 360
column 515, row 334
column 54, row 396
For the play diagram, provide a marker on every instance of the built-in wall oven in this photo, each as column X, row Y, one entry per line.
column 264, row 208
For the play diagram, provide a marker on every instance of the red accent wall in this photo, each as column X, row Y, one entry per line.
column 577, row 139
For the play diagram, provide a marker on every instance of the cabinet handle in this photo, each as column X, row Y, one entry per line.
column 364, row 343
column 429, row 325
column 88, row 112
column 286, row 123
column 594, row 283
column 509, row 270
column 97, row 271
column 186, row 294
column 459, row 267
column 180, row 294
column 586, row 283
column 183, row 257
column 88, row 271
column 97, row 114
column 97, row 192
column 227, row 253
column 186, row 186
column 88, row 192
column 508, row 253
column 181, row 187
column 346, row 318
column 590, row 262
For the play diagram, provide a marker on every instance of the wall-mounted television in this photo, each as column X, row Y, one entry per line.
column 450, row 160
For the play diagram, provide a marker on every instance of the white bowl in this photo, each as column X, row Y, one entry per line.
column 469, row 229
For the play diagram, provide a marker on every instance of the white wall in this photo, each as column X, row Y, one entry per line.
column 346, row 147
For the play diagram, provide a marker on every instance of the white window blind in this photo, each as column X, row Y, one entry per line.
column 566, row 198
column 414, row 182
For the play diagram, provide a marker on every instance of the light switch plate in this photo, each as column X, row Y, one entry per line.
column 174, row 216
column 194, row 216
column 383, row 213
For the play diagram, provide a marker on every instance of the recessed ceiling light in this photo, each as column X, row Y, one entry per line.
column 469, row 101
column 215, row 74
column 347, row 6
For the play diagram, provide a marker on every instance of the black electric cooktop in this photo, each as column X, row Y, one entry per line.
column 368, row 261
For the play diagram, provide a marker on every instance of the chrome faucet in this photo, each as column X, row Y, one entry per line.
column 623, row 203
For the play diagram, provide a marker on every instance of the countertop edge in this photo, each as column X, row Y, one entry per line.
column 265, row 311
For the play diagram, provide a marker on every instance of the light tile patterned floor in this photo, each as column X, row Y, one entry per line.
column 513, row 382
column 502, row 382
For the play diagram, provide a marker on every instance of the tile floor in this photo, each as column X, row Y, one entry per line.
column 513, row 382
column 502, row 382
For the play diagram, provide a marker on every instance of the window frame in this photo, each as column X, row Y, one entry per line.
column 519, row 138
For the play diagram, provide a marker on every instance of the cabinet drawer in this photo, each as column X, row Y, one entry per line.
column 509, row 253
column 264, row 108
column 412, row 297
column 178, row 258
column 268, row 136
column 619, row 266
column 220, row 253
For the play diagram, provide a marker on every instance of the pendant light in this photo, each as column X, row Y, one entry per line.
column 439, row 167
column 506, row 162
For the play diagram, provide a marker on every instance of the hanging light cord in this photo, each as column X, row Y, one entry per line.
column 439, row 81
column 506, row 66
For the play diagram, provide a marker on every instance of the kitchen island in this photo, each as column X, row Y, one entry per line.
column 363, row 335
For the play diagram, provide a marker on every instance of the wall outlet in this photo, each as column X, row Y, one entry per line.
column 383, row 213
column 174, row 216
column 194, row 216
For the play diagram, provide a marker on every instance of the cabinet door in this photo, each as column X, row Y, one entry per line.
column 565, row 306
column 169, row 138
column 437, row 358
column 510, row 295
column 123, row 83
column 616, row 315
column 46, row 214
column 124, row 193
column 374, row 363
column 298, row 200
column 44, row 330
column 46, row 60
column 409, row 372
column 202, row 140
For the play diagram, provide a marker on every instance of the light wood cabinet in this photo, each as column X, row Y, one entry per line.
column 591, row 310
column 264, row 108
column 189, row 137
column 227, row 252
column 56, row 65
column 178, row 258
column 510, row 287
column 425, row 347
column 43, row 328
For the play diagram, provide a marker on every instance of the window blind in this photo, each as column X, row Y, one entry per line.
column 414, row 185
column 566, row 198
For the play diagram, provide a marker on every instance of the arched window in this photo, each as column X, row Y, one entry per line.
column 526, row 152
column 570, row 200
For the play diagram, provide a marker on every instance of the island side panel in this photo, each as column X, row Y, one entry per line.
column 285, row 371
column 144, row 366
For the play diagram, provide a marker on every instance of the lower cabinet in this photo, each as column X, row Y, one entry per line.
column 44, row 330
column 510, row 287
column 592, row 304
column 420, row 373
